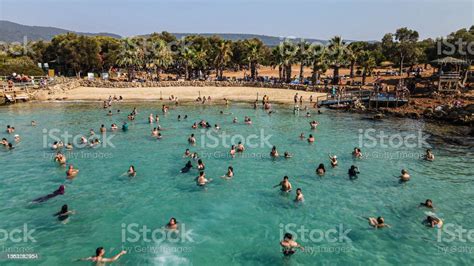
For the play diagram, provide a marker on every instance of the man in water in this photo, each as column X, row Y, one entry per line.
column 404, row 177
column 201, row 179
column 428, row 204
column 429, row 156
column 99, row 256
column 299, row 195
column 71, row 172
column 289, row 245
column 353, row 171
column 377, row 223
column 284, row 185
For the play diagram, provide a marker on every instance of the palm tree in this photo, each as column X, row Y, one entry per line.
column 253, row 55
column 131, row 56
column 187, row 57
column 367, row 62
column 337, row 57
column 223, row 56
column 303, row 57
column 277, row 60
column 284, row 56
column 353, row 51
column 318, row 56
column 158, row 55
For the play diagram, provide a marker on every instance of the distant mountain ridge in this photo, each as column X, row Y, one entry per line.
column 14, row 32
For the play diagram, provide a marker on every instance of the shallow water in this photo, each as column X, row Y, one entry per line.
column 239, row 221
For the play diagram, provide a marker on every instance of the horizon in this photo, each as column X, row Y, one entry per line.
column 423, row 16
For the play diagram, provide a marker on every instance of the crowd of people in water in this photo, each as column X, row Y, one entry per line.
column 288, row 244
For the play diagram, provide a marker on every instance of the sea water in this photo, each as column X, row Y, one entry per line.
column 238, row 221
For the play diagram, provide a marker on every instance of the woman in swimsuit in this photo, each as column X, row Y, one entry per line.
column 289, row 245
column 64, row 213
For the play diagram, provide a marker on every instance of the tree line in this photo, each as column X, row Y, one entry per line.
column 195, row 56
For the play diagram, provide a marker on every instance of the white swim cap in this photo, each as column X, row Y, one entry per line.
column 335, row 157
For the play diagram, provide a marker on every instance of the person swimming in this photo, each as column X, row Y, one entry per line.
column 131, row 171
column 302, row 136
column 288, row 245
column 310, row 138
column 232, row 151
column 187, row 153
column 99, row 256
column 429, row 156
column 60, row 191
column 192, row 139
column 172, row 224
column 287, row 155
column 357, row 153
column 124, row 126
column 103, row 129
column 230, row 173
column 313, row 124
column 427, row 204
column 404, row 177
column 321, row 170
column 299, row 195
column 240, row 147
column 285, row 185
column 71, row 172
column 433, row 221
column 201, row 166
column 201, row 179
column 60, row 158
column 377, row 223
column 274, row 152
column 333, row 160
column 352, row 172
column 64, row 213
column 187, row 167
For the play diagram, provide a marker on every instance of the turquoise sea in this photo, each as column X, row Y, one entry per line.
column 238, row 221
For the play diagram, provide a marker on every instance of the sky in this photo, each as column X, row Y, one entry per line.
column 320, row 19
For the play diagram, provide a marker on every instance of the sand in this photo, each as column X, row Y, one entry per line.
column 246, row 94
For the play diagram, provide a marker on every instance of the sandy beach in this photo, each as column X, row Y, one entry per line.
column 246, row 94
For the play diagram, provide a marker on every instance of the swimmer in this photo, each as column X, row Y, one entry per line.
column 110, row 113
column 310, row 138
column 179, row 117
column 353, row 171
column 60, row 158
column 232, row 151
column 172, row 224
column 308, row 114
column 289, row 245
column 285, row 185
column 60, row 191
column 240, row 147
column 229, row 174
column 377, row 223
column 17, row 138
column 274, row 152
column 333, row 160
column 91, row 132
column 302, row 136
column 103, row 129
column 99, row 256
column 124, row 126
column 64, row 213
column 248, row 121
column 151, row 119
column 404, row 177
column 187, row 167
column 428, row 204
column 217, row 127
column 201, row 179
column 313, row 124
column 131, row 171
column 187, row 154
column 433, row 221
column 299, row 195
column 429, row 156
column 4, row 142
column 192, row 139
column 201, row 165
column 235, row 121
column 194, row 126
column 33, row 123
column 357, row 153
column 195, row 156
column 69, row 146
column 71, row 172
column 154, row 132
column 320, row 170
column 287, row 155
column 113, row 127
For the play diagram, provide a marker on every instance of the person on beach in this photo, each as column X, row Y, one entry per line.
column 429, row 156
column 172, row 224
column 357, row 153
column 192, row 139
column 288, row 245
column 427, row 204
column 310, row 138
column 353, row 172
column 433, row 221
column 229, row 174
column 320, row 170
column 60, row 191
column 71, row 172
column 404, row 177
column 201, row 179
column 187, row 167
column 240, row 147
column 64, row 213
column 131, row 171
column 99, row 256
column 333, row 160
column 299, row 195
column 274, row 152
column 377, row 223
column 285, row 185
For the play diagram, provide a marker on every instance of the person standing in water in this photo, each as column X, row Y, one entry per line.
column 99, row 256
column 71, row 172
column 64, row 213
column 428, row 204
column 201, row 180
column 333, row 160
column 229, row 174
column 285, row 185
column 299, row 195
column 353, row 171
column 429, row 156
column 289, row 245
